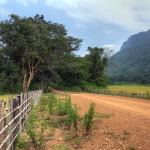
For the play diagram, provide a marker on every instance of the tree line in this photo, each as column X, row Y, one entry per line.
column 35, row 54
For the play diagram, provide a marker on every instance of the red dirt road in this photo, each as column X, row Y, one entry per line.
column 128, row 128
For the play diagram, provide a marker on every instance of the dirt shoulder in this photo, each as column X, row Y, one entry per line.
column 128, row 128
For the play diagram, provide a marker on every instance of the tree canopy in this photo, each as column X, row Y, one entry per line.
column 98, row 61
column 32, row 44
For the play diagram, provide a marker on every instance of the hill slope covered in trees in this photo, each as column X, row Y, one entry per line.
column 132, row 62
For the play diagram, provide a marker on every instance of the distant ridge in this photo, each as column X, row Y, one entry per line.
column 132, row 62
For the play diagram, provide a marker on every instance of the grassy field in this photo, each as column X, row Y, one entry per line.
column 5, row 97
column 130, row 88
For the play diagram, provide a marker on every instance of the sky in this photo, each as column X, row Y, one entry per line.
column 99, row 23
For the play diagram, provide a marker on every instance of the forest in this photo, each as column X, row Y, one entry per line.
column 39, row 54
column 131, row 63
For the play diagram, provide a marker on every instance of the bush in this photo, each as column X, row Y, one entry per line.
column 88, row 119
column 47, row 90
column 22, row 144
column 101, row 81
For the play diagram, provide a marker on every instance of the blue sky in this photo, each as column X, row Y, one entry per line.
column 102, row 23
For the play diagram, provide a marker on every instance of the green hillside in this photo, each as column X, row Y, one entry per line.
column 132, row 62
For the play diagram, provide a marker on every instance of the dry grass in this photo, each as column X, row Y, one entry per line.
column 6, row 97
column 130, row 88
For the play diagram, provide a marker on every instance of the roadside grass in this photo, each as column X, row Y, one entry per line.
column 132, row 148
column 61, row 147
column 129, row 88
column 57, row 111
column 109, row 133
column 99, row 115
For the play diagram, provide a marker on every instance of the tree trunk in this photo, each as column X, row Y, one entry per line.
column 27, row 81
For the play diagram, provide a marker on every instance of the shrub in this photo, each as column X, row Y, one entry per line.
column 88, row 119
column 101, row 81
column 22, row 144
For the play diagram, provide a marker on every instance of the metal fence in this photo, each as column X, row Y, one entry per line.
column 12, row 119
column 120, row 93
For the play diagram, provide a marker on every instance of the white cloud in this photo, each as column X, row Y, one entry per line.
column 25, row 2
column 113, row 47
column 109, row 31
column 129, row 14
column 79, row 25
column 2, row 2
column 3, row 11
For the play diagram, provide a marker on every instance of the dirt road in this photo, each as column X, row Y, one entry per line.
column 127, row 129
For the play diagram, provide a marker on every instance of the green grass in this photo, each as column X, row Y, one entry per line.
column 61, row 147
column 6, row 97
column 109, row 133
column 130, row 88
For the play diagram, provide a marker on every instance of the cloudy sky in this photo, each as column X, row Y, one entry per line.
column 102, row 23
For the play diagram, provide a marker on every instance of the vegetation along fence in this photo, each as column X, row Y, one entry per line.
column 12, row 119
column 120, row 93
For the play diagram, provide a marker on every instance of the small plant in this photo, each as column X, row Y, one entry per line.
column 40, row 137
column 77, row 142
column 36, row 130
column 109, row 133
column 73, row 117
column 98, row 115
column 88, row 119
column 124, row 138
column 61, row 147
column 64, row 106
column 31, row 127
column 50, row 102
column 22, row 144
column 68, row 138
column 131, row 148
column 126, row 133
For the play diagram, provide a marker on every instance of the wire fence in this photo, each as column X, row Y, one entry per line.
column 12, row 119
column 120, row 93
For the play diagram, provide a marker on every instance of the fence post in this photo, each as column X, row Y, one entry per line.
column 10, row 109
column 2, row 123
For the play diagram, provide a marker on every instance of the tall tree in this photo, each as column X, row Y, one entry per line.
column 34, row 43
column 98, row 60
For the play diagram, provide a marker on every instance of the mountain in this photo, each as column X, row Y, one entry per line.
column 132, row 62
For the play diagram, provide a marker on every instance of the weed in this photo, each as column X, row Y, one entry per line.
column 36, row 130
column 68, row 138
column 98, row 115
column 43, row 100
column 58, row 122
column 22, row 143
column 118, row 137
column 61, row 147
column 88, row 119
column 73, row 117
column 77, row 142
column 126, row 133
column 124, row 138
column 131, row 148
column 51, row 101
column 31, row 126
column 109, row 133
column 40, row 138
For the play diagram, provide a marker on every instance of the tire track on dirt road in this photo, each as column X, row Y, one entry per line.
column 129, row 115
